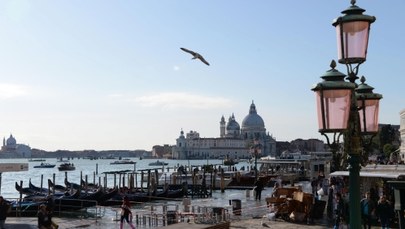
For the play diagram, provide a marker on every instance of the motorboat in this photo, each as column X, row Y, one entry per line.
column 158, row 163
column 44, row 165
column 230, row 162
column 66, row 167
column 123, row 162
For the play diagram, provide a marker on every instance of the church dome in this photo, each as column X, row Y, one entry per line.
column 232, row 124
column 252, row 120
column 11, row 141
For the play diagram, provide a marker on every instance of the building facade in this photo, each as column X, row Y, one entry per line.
column 234, row 141
column 402, row 133
column 11, row 149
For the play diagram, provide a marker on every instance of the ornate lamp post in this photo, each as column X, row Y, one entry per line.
column 255, row 150
column 345, row 107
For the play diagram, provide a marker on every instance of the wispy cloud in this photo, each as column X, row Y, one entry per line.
column 176, row 68
column 8, row 91
column 172, row 100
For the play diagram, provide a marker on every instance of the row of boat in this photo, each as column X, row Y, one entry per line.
column 70, row 166
column 73, row 197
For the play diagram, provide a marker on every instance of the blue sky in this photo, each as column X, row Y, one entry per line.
column 102, row 75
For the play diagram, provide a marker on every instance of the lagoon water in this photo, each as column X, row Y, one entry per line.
column 84, row 167
column 109, row 215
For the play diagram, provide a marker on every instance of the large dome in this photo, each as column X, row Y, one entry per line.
column 252, row 120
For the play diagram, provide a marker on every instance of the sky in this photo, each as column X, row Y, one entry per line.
column 110, row 75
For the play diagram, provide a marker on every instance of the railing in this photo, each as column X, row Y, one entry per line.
column 76, row 208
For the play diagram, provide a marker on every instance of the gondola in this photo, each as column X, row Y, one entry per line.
column 25, row 191
column 37, row 189
column 107, row 196
column 72, row 185
column 89, row 185
column 92, row 195
column 56, row 187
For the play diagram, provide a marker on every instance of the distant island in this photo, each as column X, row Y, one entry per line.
column 37, row 153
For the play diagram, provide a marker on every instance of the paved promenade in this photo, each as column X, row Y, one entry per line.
column 251, row 218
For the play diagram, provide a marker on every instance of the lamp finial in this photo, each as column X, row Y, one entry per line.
column 333, row 64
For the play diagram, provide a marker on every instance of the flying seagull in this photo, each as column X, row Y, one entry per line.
column 195, row 55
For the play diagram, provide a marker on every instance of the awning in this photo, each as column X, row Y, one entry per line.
column 391, row 175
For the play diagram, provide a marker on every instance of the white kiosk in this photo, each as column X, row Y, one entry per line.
column 12, row 167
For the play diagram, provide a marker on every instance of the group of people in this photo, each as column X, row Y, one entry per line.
column 371, row 211
column 383, row 210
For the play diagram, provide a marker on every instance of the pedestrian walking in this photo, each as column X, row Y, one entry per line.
column 126, row 213
column 338, row 210
column 259, row 186
column 368, row 208
column 4, row 209
column 384, row 212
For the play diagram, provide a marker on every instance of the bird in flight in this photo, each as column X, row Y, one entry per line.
column 195, row 55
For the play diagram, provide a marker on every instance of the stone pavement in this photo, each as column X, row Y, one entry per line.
column 251, row 218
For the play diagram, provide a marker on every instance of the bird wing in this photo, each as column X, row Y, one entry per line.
column 195, row 55
column 203, row 60
column 189, row 51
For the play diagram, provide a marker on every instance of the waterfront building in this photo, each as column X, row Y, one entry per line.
column 233, row 142
column 11, row 149
column 402, row 133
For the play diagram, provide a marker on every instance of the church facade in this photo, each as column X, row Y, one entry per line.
column 11, row 149
column 233, row 142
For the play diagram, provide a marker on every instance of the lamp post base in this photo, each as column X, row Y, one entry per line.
column 354, row 191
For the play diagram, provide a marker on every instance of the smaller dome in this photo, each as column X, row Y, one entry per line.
column 232, row 124
column 11, row 140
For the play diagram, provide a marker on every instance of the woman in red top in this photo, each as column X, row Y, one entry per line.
column 126, row 213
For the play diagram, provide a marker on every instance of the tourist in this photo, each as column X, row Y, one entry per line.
column 275, row 188
column 368, row 208
column 44, row 218
column 384, row 212
column 314, row 185
column 4, row 209
column 330, row 203
column 126, row 213
column 339, row 210
column 259, row 186
column 50, row 205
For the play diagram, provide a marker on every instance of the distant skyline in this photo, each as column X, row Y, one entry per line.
column 109, row 75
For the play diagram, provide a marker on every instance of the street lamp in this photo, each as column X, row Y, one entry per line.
column 255, row 150
column 345, row 107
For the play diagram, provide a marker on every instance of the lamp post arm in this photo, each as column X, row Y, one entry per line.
column 352, row 72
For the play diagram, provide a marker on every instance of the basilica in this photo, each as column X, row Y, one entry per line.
column 233, row 142
column 11, row 149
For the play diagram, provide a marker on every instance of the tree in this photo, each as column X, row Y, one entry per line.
column 387, row 135
column 387, row 150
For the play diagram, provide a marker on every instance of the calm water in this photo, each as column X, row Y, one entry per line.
column 110, row 214
column 84, row 167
